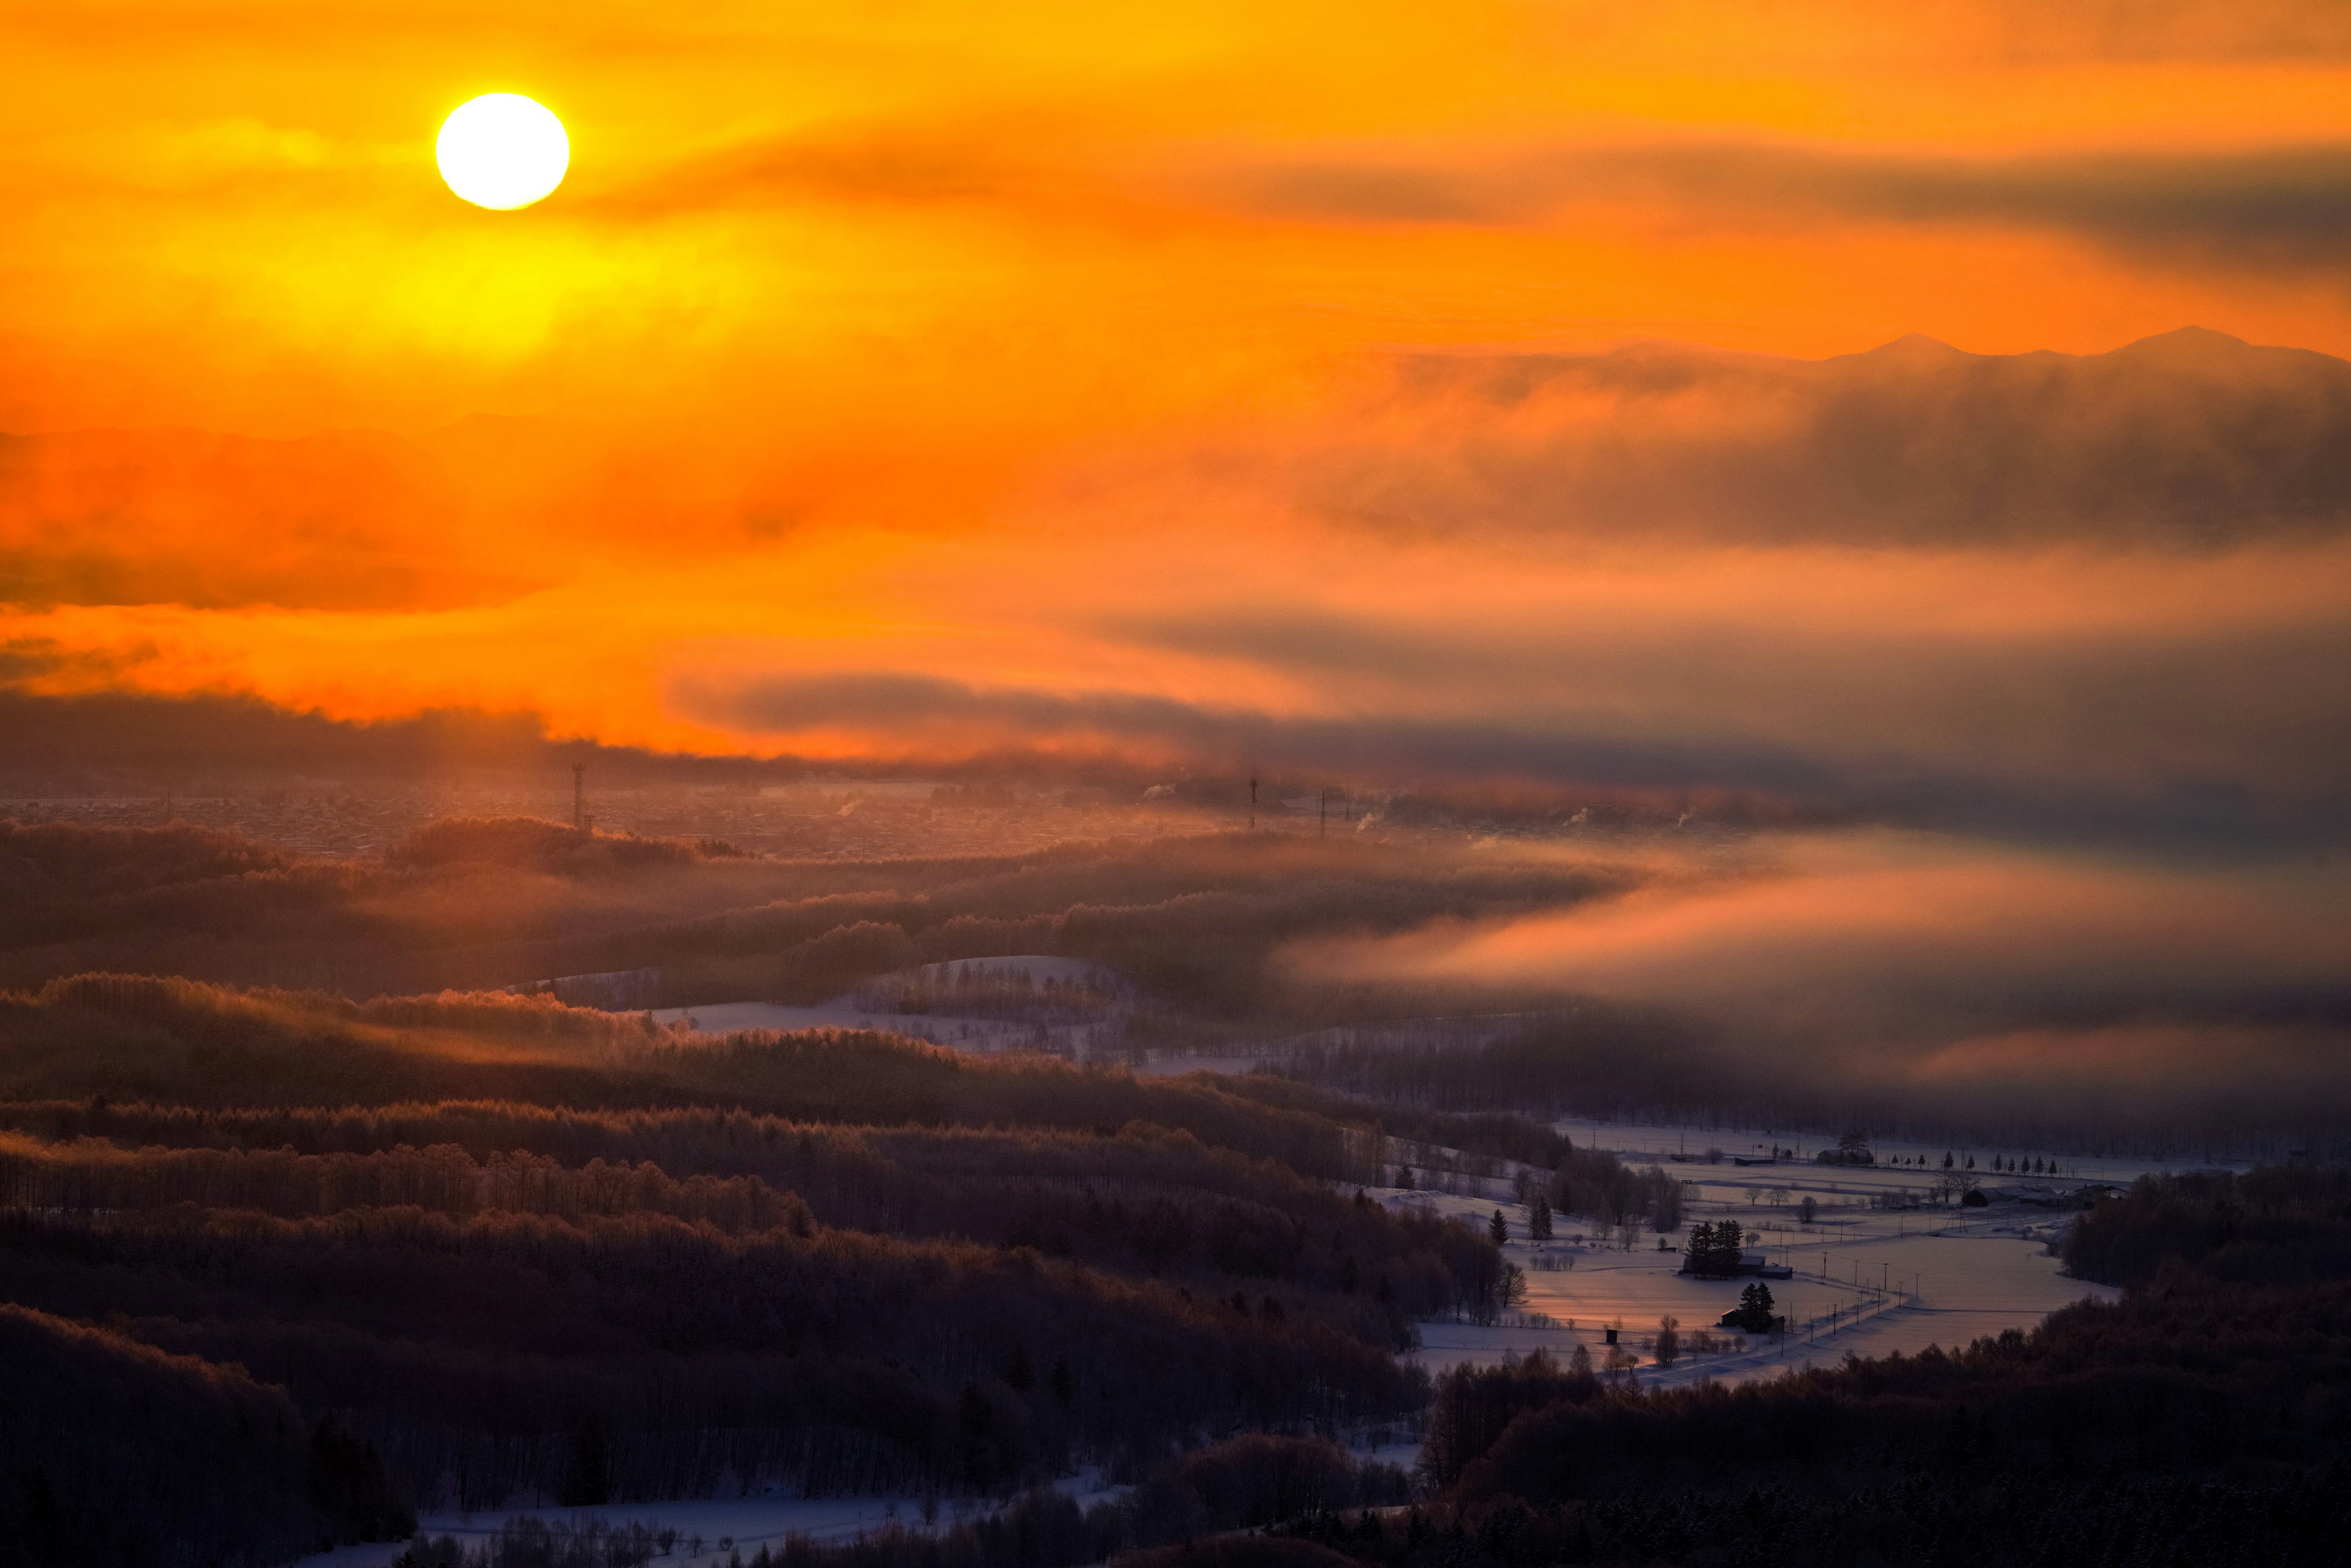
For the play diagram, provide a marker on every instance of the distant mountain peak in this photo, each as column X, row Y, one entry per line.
column 1908, row 349
column 1919, row 343
column 2192, row 335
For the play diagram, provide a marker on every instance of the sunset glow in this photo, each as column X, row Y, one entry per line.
column 900, row 783
column 1045, row 353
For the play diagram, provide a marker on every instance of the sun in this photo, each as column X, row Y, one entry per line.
column 502, row 150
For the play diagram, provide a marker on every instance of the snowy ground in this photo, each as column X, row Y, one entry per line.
column 1643, row 1142
column 1867, row 1280
column 723, row 1524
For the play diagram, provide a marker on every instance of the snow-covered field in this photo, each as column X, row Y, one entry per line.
column 723, row 1524
column 1866, row 1281
column 1643, row 1142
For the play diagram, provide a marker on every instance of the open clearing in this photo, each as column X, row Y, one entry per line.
column 1866, row 1281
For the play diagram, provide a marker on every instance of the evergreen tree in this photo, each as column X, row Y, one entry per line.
column 1714, row 1249
column 1539, row 1219
column 976, row 1421
column 1699, row 1255
column 1498, row 1229
column 590, row 1479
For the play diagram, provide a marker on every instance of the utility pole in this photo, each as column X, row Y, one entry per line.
column 579, row 796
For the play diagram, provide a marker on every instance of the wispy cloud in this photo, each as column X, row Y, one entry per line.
column 2277, row 207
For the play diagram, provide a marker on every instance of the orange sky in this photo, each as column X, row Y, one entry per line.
column 988, row 343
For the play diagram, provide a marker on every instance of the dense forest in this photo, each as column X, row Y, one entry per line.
column 848, row 1260
column 112, row 1452
column 461, row 1249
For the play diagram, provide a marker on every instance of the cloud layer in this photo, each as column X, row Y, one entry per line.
column 1928, row 967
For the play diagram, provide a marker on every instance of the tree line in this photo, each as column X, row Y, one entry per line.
column 688, row 1352
column 114, row 1451
column 176, row 1041
column 1146, row 1200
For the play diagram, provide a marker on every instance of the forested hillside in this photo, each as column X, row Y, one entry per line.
column 113, row 1452
column 501, row 1248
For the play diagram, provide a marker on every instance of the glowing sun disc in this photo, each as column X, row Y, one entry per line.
column 502, row 150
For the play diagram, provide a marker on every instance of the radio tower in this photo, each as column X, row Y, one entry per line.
column 579, row 796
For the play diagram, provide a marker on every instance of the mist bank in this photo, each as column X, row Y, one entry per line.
column 1987, row 990
column 1910, row 983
